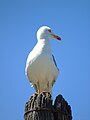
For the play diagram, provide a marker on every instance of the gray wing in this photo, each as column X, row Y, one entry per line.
column 55, row 62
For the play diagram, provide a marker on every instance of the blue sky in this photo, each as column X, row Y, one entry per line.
column 19, row 22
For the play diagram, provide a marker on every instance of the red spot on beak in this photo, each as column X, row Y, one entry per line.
column 58, row 38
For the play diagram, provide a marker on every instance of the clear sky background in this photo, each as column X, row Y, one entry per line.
column 19, row 22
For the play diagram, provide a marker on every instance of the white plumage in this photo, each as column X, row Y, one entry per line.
column 41, row 68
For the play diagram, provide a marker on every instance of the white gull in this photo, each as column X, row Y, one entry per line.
column 41, row 68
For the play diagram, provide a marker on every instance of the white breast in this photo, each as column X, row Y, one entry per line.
column 40, row 67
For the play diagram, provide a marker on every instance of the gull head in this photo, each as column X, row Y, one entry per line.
column 45, row 32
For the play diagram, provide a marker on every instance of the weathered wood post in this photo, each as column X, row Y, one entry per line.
column 40, row 107
column 62, row 109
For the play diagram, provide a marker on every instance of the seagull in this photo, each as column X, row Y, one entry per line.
column 41, row 68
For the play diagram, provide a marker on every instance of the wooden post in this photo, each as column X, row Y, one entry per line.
column 40, row 107
column 62, row 109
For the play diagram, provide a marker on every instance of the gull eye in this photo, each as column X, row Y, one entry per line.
column 49, row 30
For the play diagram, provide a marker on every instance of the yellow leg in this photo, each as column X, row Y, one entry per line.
column 38, row 87
column 49, row 87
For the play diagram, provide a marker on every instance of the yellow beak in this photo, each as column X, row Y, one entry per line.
column 57, row 37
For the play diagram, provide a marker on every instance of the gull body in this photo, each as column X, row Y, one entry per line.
column 41, row 68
